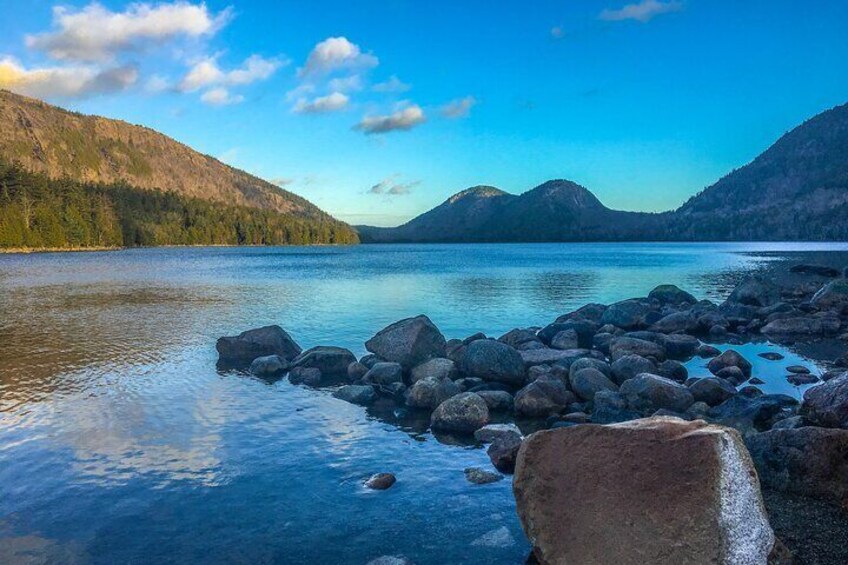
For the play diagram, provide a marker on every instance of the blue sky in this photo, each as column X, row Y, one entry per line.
column 379, row 110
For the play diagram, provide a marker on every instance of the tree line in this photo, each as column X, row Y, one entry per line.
column 37, row 212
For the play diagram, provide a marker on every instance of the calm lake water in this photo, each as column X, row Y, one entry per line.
column 120, row 442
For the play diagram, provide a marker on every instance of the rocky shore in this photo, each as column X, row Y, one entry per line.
column 621, row 366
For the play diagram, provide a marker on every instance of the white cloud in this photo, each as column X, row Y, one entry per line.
column 336, row 53
column 391, row 187
column 323, row 104
column 403, row 119
column 74, row 81
column 220, row 97
column 643, row 11
column 95, row 33
column 157, row 84
column 394, row 84
column 346, row 84
column 459, row 108
column 207, row 73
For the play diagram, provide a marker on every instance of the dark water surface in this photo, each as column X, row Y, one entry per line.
column 119, row 441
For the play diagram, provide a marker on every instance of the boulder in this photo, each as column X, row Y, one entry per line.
column 681, row 346
column 464, row 413
column 733, row 375
column 629, row 366
column 309, row 376
column 429, row 392
column 622, row 346
column 363, row 395
column 818, row 270
column 712, row 390
column 490, row 432
column 535, row 357
column 409, row 342
column 833, row 296
column 331, row 361
column 659, row 490
column 730, row 358
column 494, row 361
column 356, row 370
column 771, row 355
column 381, row 481
column 590, row 363
column 610, row 407
column 240, row 351
column 543, row 397
column 566, row 339
column 497, row 400
column 385, row 373
column 670, row 294
column 706, row 351
column 592, row 312
column 587, row 382
column 752, row 413
column 673, row 370
column 504, row 451
column 521, row 339
column 676, row 322
column 809, row 461
column 436, row 367
column 584, row 330
column 648, row 393
column 477, row 476
column 826, row 405
column 627, row 314
column 269, row 366
column 755, row 292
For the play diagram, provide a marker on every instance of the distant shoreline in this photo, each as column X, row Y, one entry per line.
column 32, row 250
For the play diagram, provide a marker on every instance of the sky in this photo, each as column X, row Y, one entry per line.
column 377, row 111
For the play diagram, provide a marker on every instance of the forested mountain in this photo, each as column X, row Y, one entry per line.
column 796, row 190
column 71, row 180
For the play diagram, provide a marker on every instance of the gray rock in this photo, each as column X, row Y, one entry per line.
column 409, row 342
column 751, row 414
column 381, row 481
column 543, row 397
column 800, row 380
column 469, row 383
column 611, row 407
column 818, row 270
column 363, row 395
column 627, row 314
column 566, row 339
column 629, row 366
column 833, row 296
column 584, row 329
column 712, row 391
column 356, row 370
column 551, row 356
column 587, row 382
column 384, row 373
column 369, row 360
column 494, row 361
column 429, row 392
column 648, row 393
column 503, row 452
column 241, row 350
column 269, row 366
column 309, row 376
column 670, row 294
column 622, row 346
column 706, row 351
column 673, row 370
column 681, row 346
column 826, row 405
column 497, row 400
column 771, row 355
column 463, row 413
column 478, row 476
column 733, row 375
column 436, row 367
column 755, row 292
column 519, row 338
column 331, row 361
column 730, row 358
column 590, row 363
column 490, row 432
column 591, row 312
column 676, row 322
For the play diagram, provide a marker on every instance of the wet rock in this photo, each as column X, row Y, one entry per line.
column 503, row 452
column 673, row 370
column 629, row 366
column 671, row 294
column 355, row 371
column 587, row 382
column 384, row 373
column 497, row 400
column 681, row 346
column 463, row 413
column 771, row 355
column 409, row 342
column 800, row 380
column 833, row 296
column 363, row 395
column 590, row 363
column 241, row 350
column 429, row 392
column 269, row 366
column 826, row 405
column 369, row 360
column 471, row 384
column 478, row 476
column 688, row 494
column 309, row 376
column 698, row 411
column 591, row 312
column 802, row 326
column 521, row 339
column 750, row 414
column 611, row 407
column 622, row 346
column 676, row 322
column 706, row 351
column 809, row 461
column 818, row 270
column 551, row 356
column 648, row 393
column 756, row 381
column 437, row 367
column 543, row 397
column 494, row 361
column 730, row 358
column 755, row 292
column 790, row 423
column 566, row 339
column 627, row 314
column 331, row 361
column 490, row 432
column 602, row 342
column 381, row 481
column 709, row 320
column 733, row 375
column 712, row 391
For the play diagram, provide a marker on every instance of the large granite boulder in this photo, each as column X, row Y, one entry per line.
column 672, row 295
column 659, row 490
column 494, row 361
column 729, row 358
column 648, row 393
column 409, row 342
column 827, row 404
column 833, row 296
column 543, row 397
column 627, row 314
column 809, row 461
column 331, row 361
column 464, row 413
column 429, row 392
column 755, row 292
column 240, row 351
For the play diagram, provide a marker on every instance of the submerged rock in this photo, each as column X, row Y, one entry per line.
column 463, row 413
column 818, row 270
column 391, row 560
column 494, row 361
column 688, row 494
column 479, row 476
column 363, row 395
column 409, row 342
column 241, row 350
column 381, row 481
column 671, row 294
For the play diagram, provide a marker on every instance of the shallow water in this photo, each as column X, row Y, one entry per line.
column 119, row 441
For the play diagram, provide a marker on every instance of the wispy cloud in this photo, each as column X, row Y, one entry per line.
column 402, row 120
column 336, row 53
column 333, row 102
column 459, row 108
column 643, row 11
column 206, row 72
column 95, row 33
column 220, row 96
column 69, row 81
column 394, row 84
column 391, row 187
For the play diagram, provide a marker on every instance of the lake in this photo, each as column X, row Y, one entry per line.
column 120, row 442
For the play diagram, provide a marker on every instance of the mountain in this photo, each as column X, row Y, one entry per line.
column 795, row 190
column 50, row 147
